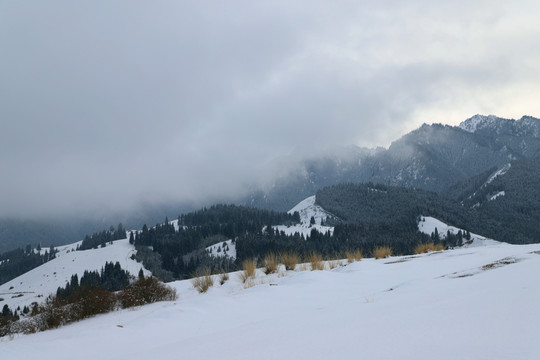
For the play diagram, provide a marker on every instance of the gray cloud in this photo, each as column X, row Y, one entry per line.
column 104, row 105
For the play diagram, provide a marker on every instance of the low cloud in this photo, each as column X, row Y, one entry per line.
column 104, row 106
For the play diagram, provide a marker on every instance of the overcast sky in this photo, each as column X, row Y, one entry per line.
column 104, row 104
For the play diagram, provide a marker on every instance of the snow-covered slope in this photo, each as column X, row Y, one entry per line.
column 38, row 283
column 428, row 224
column 307, row 209
column 468, row 303
column 223, row 249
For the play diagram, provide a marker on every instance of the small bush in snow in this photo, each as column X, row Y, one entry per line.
column 353, row 256
column 290, row 260
column 332, row 264
column 223, row 277
column 424, row 248
column 270, row 263
column 249, row 270
column 146, row 291
column 203, row 281
column 382, row 252
column 316, row 261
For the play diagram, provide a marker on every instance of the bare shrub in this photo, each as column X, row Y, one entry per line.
column 203, row 281
column 290, row 260
column 270, row 263
column 382, row 252
column 90, row 300
column 316, row 261
column 146, row 291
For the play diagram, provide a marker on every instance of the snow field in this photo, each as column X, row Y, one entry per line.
column 412, row 307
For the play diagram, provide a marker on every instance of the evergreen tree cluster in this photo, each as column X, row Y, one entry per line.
column 111, row 278
column 176, row 254
column 101, row 239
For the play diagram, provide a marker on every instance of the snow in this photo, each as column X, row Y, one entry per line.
column 445, row 305
column 44, row 280
column 231, row 253
column 307, row 209
column 499, row 172
column 428, row 224
column 500, row 193
column 478, row 121
column 175, row 224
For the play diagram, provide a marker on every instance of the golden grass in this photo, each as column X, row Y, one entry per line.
column 353, row 256
column 316, row 261
column 270, row 263
column 424, row 248
column 204, row 281
column 249, row 270
column 382, row 252
column 289, row 259
column 332, row 264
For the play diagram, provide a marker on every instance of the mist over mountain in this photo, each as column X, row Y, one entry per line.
column 433, row 157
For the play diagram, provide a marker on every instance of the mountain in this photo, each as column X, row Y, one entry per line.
column 506, row 201
column 433, row 157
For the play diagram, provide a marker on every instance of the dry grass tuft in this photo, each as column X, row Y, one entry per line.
column 290, row 260
column 332, row 264
column 424, row 248
column 249, row 270
column 204, row 281
column 353, row 256
column 270, row 263
column 382, row 252
column 223, row 277
column 316, row 261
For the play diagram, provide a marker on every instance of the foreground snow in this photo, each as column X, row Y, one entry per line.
column 469, row 303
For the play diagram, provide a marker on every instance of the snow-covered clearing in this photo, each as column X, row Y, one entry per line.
column 223, row 249
column 499, row 172
column 307, row 209
column 38, row 283
column 468, row 303
column 428, row 224
column 500, row 193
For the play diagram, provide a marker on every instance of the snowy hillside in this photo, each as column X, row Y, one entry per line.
column 307, row 209
column 469, row 303
column 38, row 283
column 225, row 249
column 427, row 225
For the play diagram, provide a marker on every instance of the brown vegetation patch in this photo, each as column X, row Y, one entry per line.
column 500, row 263
column 382, row 252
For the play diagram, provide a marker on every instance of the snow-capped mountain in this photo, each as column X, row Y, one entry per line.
column 527, row 126
column 432, row 157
